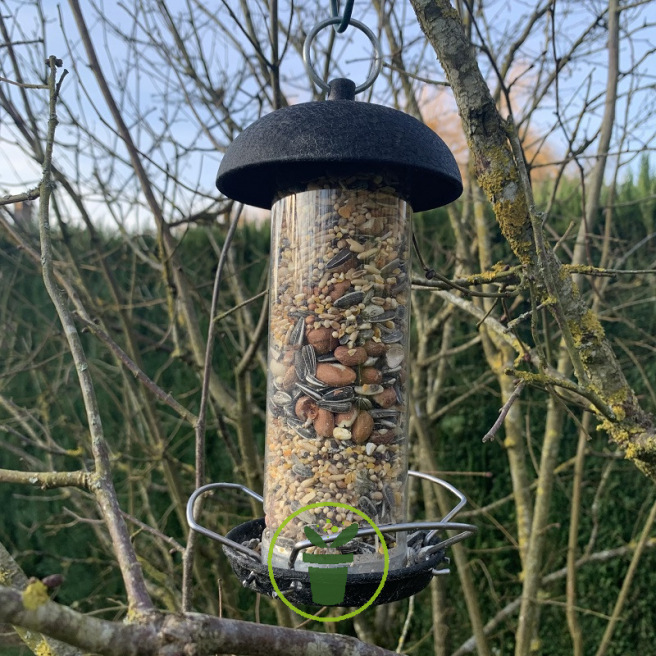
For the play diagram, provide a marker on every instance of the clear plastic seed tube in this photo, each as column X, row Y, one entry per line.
column 338, row 356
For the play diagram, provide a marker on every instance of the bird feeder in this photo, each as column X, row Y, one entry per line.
column 342, row 179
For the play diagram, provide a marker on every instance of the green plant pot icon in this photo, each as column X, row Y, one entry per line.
column 328, row 585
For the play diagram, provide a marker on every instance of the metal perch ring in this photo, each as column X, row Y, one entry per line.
column 376, row 65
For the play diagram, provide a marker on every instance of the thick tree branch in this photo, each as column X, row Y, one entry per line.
column 498, row 173
column 12, row 576
column 172, row 635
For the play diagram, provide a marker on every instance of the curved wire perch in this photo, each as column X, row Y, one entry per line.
column 467, row 530
column 195, row 526
column 376, row 65
column 443, row 524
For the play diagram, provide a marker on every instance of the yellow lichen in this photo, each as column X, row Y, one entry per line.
column 513, row 221
column 43, row 649
column 586, row 330
column 35, row 595
column 499, row 180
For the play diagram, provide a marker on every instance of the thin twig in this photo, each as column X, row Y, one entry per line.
column 46, row 480
column 23, row 85
column 153, row 531
column 587, row 270
column 234, row 308
column 504, row 411
column 414, row 76
column 32, row 194
column 188, row 561
column 626, row 584
column 406, row 625
column 469, row 646
column 138, row 373
column 543, row 381
column 432, row 273
column 100, row 481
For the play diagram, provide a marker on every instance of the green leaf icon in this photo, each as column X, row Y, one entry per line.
column 314, row 537
column 347, row 534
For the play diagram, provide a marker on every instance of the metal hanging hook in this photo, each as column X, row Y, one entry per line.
column 346, row 16
column 376, row 64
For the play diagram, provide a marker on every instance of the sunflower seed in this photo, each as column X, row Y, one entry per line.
column 348, row 300
column 341, row 258
column 306, row 515
column 381, row 413
column 299, row 365
column 313, row 381
column 300, row 429
column 394, row 356
column 363, row 547
column 275, row 410
column 363, row 403
column 309, row 358
column 335, row 406
column 388, row 496
column 281, row 398
column 363, row 484
column 392, row 337
column 338, row 394
column 357, row 546
column 416, row 539
column 311, row 392
column 387, row 315
column 390, row 266
column 300, row 314
column 367, row 507
column 371, row 311
column 300, row 468
column 297, row 335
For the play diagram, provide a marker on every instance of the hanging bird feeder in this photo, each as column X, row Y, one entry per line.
column 342, row 179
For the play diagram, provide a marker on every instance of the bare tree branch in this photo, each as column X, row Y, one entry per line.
column 171, row 635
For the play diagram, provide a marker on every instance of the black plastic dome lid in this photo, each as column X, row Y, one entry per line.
column 296, row 145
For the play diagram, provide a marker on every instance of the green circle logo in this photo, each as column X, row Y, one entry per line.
column 333, row 504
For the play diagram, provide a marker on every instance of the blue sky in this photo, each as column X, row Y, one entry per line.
column 183, row 137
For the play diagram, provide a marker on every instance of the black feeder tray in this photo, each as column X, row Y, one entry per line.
column 427, row 545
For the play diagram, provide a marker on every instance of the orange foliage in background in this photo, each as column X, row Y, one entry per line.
column 441, row 115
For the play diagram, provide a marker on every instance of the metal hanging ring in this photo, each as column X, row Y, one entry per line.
column 346, row 16
column 376, row 65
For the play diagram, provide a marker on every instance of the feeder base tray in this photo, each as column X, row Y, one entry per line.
column 295, row 585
